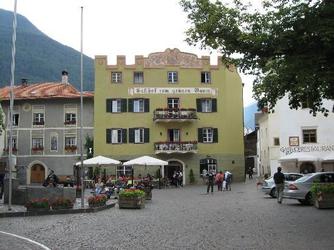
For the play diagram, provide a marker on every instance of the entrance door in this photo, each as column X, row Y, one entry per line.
column 307, row 167
column 172, row 167
column 37, row 173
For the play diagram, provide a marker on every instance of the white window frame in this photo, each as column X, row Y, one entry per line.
column 138, row 77
column 173, row 102
column 303, row 135
column 172, row 76
column 116, row 105
column 207, row 135
column 116, row 77
column 70, row 140
column 37, row 142
column 206, row 105
column 138, row 105
column 139, row 135
column 207, row 77
column 13, row 120
column 116, row 136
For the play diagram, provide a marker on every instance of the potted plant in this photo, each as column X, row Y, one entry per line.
column 323, row 195
column 61, row 203
column 97, row 200
column 131, row 198
column 41, row 204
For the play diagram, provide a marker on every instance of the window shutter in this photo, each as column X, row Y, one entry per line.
column 199, row 105
column 123, row 105
column 200, row 135
column 214, row 105
column 124, row 137
column 108, row 135
column 146, row 135
column 108, row 105
column 146, row 105
column 131, row 135
column 215, row 135
column 130, row 105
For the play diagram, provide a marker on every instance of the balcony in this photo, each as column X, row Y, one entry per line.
column 174, row 115
column 70, row 122
column 175, row 147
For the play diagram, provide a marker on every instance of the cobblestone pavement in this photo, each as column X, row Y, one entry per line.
column 186, row 218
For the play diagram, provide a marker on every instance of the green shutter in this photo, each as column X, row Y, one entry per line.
column 200, row 135
column 123, row 105
column 146, row 135
column 130, row 105
column 124, row 137
column 199, row 105
column 214, row 105
column 108, row 135
column 108, row 105
column 146, row 105
column 131, row 135
column 215, row 135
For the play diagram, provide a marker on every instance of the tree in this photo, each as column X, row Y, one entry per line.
column 89, row 146
column 191, row 176
column 288, row 45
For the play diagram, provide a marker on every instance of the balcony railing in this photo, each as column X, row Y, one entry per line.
column 71, row 122
column 167, row 115
column 175, row 147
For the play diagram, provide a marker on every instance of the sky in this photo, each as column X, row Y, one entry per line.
column 116, row 27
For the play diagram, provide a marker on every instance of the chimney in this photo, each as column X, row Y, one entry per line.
column 64, row 77
column 24, row 82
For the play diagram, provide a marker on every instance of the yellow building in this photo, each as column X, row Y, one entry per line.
column 173, row 106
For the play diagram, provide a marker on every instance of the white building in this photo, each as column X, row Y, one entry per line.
column 295, row 139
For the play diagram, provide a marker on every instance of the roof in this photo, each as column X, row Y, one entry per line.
column 43, row 91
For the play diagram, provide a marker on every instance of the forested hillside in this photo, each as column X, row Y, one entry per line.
column 38, row 57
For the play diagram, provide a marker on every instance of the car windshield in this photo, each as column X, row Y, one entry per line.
column 304, row 178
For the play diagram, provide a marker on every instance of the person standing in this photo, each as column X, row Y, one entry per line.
column 219, row 180
column 211, row 180
column 250, row 173
column 279, row 179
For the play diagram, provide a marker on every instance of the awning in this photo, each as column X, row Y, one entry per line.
column 329, row 157
column 299, row 157
column 99, row 161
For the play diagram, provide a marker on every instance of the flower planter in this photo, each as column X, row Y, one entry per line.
column 324, row 200
column 131, row 202
column 96, row 205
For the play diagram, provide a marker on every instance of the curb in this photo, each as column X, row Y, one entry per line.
column 53, row 212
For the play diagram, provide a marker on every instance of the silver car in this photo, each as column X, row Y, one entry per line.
column 268, row 186
column 300, row 189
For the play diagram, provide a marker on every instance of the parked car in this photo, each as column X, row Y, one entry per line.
column 300, row 189
column 268, row 186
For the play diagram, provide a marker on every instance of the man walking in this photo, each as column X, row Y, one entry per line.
column 279, row 183
column 211, row 180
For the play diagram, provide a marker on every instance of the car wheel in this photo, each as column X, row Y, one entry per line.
column 273, row 192
column 307, row 200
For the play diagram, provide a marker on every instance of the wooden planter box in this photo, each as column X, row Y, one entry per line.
column 131, row 202
column 324, row 200
column 96, row 205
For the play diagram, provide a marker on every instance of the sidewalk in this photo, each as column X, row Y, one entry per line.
column 20, row 210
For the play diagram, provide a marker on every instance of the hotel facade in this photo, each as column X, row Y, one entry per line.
column 173, row 106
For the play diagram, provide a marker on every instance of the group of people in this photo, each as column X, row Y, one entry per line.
column 177, row 178
column 223, row 180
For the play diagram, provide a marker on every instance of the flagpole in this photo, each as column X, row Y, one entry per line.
column 11, row 106
column 81, row 115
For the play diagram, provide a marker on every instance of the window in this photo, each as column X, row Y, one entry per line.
column 172, row 77
column 205, row 77
column 309, row 135
column 138, row 135
column 138, row 77
column 38, row 119
column 305, row 103
column 70, row 118
column 276, row 141
column 208, row 135
column 37, row 144
column 173, row 103
column 14, row 144
column 116, row 77
column 116, row 136
column 15, row 121
column 206, row 105
column 174, row 135
column 124, row 171
column 139, row 105
column 116, row 105
column 70, row 141
column 207, row 164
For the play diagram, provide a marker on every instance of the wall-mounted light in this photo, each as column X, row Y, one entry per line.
column 160, row 133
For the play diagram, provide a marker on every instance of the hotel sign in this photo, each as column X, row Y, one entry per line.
column 173, row 91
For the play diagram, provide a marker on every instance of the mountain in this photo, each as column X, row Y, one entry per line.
column 38, row 57
column 249, row 119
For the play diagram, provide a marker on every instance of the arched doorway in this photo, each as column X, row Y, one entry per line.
column 307, row 167
column 37, row 173
column 174, row 166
